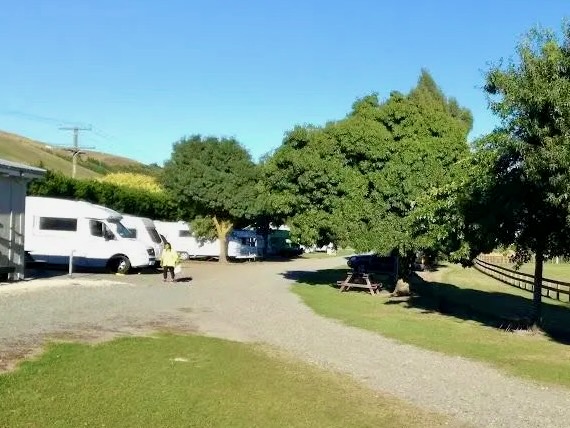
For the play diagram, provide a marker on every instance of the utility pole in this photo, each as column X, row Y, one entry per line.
column 75, row 150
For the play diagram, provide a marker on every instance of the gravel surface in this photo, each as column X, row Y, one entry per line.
column 252, row 302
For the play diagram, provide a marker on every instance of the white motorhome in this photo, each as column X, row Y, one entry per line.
column 241, row 244
column 144, row 230
column 57, row 229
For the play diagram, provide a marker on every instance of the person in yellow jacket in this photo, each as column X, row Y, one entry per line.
column 168, row 260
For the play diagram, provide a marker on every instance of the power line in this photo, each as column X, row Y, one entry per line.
column 74, row 126
column 36, row 117
column 61, row 122
column 102, row 134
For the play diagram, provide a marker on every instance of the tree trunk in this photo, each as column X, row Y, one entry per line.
column 223, row 249
column 405, row 265
column 403, row 273
column 223, row 228
column 265, row 229
column 536, row 317
column 265, row 245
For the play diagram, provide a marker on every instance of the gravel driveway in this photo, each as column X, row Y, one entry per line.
column 252, row 302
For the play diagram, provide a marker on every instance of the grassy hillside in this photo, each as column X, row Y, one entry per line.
column 91, row 165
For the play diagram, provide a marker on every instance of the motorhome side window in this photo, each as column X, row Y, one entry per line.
column 99, row 229
column 56, row 223
column 133, row 233
column 184, row 233
column 249, row 242
column 96, row 228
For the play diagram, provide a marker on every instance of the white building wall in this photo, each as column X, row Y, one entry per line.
column 12, row 222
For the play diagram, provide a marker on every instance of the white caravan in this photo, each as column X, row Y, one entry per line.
column 241, row 244
column 143, row 229
column 94, row 235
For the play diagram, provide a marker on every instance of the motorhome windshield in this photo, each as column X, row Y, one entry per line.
column 153, row 235
column 121, row 230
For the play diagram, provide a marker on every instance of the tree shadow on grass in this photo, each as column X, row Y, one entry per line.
column 500, row 310
column 331, row 276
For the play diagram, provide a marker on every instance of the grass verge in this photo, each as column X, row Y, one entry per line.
column 341, row 252
column 455, row 314
column 560, row 271
column 189, row 381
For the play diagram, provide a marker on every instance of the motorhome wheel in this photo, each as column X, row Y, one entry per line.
column 184, row 255
column 120, row 264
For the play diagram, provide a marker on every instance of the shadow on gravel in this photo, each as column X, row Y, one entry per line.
column 494, row 309
column 320, row 277
column 54, row 271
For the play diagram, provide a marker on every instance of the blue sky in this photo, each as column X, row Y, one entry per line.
column 145, row 73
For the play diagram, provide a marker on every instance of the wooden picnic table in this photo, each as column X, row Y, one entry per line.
column 356, row 279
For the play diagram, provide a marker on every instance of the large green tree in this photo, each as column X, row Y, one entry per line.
column 521, row 195
column 357, row 181
column 217, row 177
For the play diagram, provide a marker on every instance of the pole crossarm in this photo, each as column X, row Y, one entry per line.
column 75, row 149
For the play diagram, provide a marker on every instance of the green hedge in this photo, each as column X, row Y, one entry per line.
column 123, row 199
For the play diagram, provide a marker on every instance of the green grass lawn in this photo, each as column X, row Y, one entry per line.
column 457, row 313
column 494, row 298
column 138, row 382
column 341, row 252
column 560, row 272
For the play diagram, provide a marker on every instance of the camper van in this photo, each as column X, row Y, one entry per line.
column 241, row 243
column 94, row 236
column 143, row 229
column 247, row 243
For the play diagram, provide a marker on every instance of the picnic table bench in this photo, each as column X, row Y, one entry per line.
column 359, row 279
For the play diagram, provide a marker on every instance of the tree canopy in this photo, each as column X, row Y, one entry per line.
column 521, row 193
column 215, row 176
column 356, row 181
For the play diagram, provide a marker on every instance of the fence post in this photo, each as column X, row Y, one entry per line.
column 70, row 272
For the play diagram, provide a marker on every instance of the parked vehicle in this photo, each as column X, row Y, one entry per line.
column 242, row 244
column 280, row 244
column 373, row 263
column 57, row 229
column 144, row 230
column 245, row 244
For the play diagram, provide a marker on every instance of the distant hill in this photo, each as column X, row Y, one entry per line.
column 91, row 165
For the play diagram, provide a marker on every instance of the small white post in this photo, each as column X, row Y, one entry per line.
column 71, row 263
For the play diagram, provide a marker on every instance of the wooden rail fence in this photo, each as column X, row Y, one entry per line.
column 558, row 290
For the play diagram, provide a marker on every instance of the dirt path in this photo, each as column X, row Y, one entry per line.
column 252, row 302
